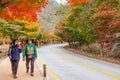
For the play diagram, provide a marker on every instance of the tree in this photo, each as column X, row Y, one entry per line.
column 106, row 24
column 95, row 22
column 19, row 29
column 25, row 11
column 76, row 2
column 3, row 30
column 7, row 3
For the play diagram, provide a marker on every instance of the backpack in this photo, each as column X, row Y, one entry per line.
column 29, row 51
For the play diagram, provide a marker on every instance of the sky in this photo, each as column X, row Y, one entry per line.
column 61, row 1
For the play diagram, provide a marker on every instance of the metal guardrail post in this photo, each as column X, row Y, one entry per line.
column 44, row 71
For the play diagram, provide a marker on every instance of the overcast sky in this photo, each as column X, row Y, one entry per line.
column 61, row 1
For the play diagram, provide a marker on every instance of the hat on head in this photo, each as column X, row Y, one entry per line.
column 14, row 40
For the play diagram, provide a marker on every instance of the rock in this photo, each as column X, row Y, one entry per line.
column 116, row 46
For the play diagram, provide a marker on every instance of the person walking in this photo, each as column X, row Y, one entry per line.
column 30, row 54
column 14, row 56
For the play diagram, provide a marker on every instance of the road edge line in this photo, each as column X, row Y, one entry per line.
column 84, row 65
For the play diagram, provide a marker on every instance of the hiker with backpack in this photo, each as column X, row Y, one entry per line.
column 14, row 56
column 30, row 54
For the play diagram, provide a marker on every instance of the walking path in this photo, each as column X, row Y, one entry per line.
column 6, row 74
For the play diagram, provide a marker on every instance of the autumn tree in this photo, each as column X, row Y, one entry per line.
column 7, row 3
column 106, row 27
column 19, row 29
column 76, row 2
column 23, row 9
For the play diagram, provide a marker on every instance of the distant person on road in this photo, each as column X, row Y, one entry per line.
column 14, row 56
column 23, row 43
column 30, row 54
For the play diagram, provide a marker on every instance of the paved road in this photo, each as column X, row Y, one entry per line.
column 67, row 66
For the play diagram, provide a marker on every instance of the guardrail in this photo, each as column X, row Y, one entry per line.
column 46, row 73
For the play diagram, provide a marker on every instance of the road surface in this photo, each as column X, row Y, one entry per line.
column 67, row 66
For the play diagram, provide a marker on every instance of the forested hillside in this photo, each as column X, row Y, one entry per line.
column 47, row 19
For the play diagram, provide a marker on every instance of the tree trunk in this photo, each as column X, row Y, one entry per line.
column 89, row 47
column 72, row 44
column 101, row 49
column 69, row 44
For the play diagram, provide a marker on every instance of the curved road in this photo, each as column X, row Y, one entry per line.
column 67, row 66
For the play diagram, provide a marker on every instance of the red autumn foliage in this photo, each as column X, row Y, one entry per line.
column 108, row 27
column 24, row 10
column 75, row 2
column 104, row 14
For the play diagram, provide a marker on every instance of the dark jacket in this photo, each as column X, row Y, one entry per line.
column 14, row 52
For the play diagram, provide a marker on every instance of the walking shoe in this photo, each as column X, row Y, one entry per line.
column 32, row 74
column 15, row 76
